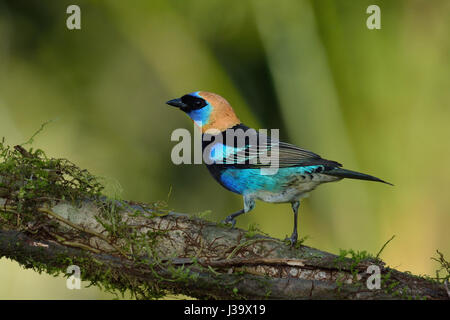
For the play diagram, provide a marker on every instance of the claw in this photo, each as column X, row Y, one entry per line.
column 229, row 220
column 292, row 239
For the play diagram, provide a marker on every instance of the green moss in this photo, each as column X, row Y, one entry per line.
column 30, row 180
column 202, row 214
column 388, row 284
column 252, row 230
column 355, row 257
column 351, row 259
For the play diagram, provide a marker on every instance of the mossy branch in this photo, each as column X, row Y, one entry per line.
column 52, row 215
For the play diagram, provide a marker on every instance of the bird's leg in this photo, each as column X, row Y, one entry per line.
column 249, row 204
column 294, row 236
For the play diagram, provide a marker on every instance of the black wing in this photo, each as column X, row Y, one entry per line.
column 255, row 150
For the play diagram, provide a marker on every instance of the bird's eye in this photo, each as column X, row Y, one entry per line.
column 198, row 104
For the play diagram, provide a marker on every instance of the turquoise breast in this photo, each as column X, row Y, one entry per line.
column 251, row 180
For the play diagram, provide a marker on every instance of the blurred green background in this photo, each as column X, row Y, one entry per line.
column 375, row 100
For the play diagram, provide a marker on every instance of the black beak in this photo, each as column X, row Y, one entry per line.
column 176, row 103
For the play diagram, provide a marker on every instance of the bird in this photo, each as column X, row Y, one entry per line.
column 236, row 163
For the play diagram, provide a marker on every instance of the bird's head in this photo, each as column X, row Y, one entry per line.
column 208, row 110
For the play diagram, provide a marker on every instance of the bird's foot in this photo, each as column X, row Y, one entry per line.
column 230, row 220
column 292, row 239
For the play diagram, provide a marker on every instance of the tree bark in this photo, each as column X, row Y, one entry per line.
column 122, row 245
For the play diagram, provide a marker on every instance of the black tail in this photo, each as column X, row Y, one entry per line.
column 343, row 173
